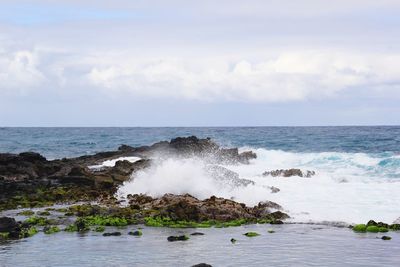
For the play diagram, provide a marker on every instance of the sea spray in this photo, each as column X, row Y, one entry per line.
column 347, row 187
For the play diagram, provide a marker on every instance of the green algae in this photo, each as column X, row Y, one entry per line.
column 71, row 228
column 43, row 213
column 28, row 232
column 4, row 235
column 160, row 221
column 251, row 234
column 100, row 229
column 395, row 227
column 372, row 229
column 26, row 213
column 51, row 230
column 40, row 221
column 136, row 233
column 361, row 228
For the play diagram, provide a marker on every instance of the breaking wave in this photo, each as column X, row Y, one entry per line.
column 347, row 187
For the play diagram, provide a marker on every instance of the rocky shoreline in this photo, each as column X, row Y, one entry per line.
column 29, row 180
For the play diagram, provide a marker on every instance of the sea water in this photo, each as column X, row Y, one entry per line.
column 357, row 179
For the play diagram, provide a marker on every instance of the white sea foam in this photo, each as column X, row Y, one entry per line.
column 348, row 187
column 112, row 162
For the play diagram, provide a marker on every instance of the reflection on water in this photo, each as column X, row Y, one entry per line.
column 290, row 245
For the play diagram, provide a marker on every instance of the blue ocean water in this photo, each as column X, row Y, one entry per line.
column 69, row 142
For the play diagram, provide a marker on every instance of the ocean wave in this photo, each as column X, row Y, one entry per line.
column 347, row 187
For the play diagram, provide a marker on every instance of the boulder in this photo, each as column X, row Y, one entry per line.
column 10, row 226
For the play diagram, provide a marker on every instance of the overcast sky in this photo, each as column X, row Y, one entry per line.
column 199, row 63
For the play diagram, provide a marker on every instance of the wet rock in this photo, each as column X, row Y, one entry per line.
column 177, row 238
column 197, row 233
column 251, row 234
column 188, row 208
column 30, row 180
column 202, row 265
column 112, row 234
column 385, row 237
column 136, row 233
column 10, row 226
column 289, row 173
column 233, row 240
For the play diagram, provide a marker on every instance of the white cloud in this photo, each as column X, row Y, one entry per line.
column 19, row 71
column 292, row 76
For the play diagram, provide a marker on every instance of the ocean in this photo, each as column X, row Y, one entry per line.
column 357, row 168
column 357, row 179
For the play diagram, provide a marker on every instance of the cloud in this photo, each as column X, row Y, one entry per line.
column 290, row 76
column 19, row 71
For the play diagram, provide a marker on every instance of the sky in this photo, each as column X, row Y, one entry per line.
column 199, row 63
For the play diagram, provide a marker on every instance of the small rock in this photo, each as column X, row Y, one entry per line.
column 233, row 240
column 202, row 265
column 136, row 233
column 177, row 238
column 385, row 237
column 197, row 233
column 112, row 234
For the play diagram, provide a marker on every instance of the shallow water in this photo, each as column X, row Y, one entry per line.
column 290, row 245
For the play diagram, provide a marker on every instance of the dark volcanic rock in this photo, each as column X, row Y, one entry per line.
column 188, row 208
column 112, row 234
column 289, row 173
column 29, row 179
column 197, row 233
column 177, row 238
column 10, row 226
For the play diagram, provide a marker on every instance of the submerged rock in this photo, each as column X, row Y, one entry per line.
column 289, row 173
column 197, row 233
column 251, row 234
column 177, row 238
column 136, row 233
column 202, row 265
column 112, row 234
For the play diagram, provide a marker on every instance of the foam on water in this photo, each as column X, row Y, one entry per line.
column 347, row 187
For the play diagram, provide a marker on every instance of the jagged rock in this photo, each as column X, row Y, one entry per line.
column 27, row 175
column 289, row 173
column 188, row 208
